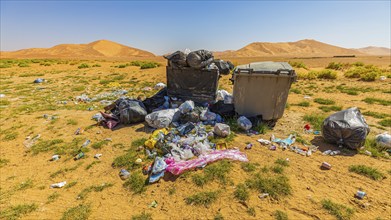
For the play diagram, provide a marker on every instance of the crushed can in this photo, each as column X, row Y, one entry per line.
column 326, row 165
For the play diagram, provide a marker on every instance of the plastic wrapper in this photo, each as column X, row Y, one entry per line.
column 222, row 130
column 206, row 115
column 158, row 169
column 177, row 168
column 162, row 118
column 244, row 123
column 384, row 140
column 186, row 107
column 347, row 128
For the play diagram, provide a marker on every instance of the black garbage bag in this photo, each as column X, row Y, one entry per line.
column 225, row 67
column 225, row 110
column 129, row 111
column 155, row 101
column 199, row 59
column 347, row 128
column 176, row 59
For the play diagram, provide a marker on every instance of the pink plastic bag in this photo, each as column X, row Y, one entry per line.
column 177, row 168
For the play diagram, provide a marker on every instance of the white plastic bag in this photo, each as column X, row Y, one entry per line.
column 222, row 130
column 244, row 123
column 186, row 107
column 162, row 118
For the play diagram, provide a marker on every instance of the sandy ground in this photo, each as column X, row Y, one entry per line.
column 309, row 183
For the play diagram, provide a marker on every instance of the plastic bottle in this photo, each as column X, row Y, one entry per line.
column 58, row 185
column 79, row 156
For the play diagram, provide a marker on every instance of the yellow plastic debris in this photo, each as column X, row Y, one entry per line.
column 151, row 142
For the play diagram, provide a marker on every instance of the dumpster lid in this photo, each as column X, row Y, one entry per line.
column 266, row 67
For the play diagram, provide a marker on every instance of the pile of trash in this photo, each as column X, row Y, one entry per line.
column 199, row 59
column 180, row 140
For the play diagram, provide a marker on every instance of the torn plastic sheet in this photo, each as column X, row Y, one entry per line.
column 177, row 168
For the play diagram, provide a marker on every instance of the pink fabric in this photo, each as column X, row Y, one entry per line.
column 177, row 168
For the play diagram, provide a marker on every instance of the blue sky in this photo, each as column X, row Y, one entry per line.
column 164, row 26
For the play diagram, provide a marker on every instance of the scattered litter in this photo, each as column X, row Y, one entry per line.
column 147, row 88
column 162, row 118
column 79, row 156
column 108, row 139
column 273, row 147
column 384, row 140
column 160, row 86
column 55, row 157
column 263, row 195
column 360, row 194
column 222, row 130
column 382, row 78
column 368, row 153
column 284, row 142
column 153, row 204
column 39, row 80
column 2, row 95
column 331, row 152
column 98, row 117
column 186, row 107
column 244, row 123
column 248, row 146
column 147, row 169
column 83, row 98
column 307, row 97
column 138, row 161
column 346, row 128
column 58, row 185
column 97, row 156
column 29, row 142
column 86, row 143
column 158, row 170
column 78, row 131
column 326, row 166
column 316, row 132
column 124, row 174
column 264, row 142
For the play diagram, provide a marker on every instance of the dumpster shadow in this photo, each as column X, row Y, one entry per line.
column 169, row 177
column 323, row 146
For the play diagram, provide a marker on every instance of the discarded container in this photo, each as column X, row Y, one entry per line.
column 124, row 174
column 55, row 157
column 199, row 85
column 58, row 185
column 86, row 143
column 360, row 194
column 79, row 156
column 97, row 156
column 326, row 165
column 261, row 89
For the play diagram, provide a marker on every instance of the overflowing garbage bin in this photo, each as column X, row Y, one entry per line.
column 199, row 85
column 261, row 89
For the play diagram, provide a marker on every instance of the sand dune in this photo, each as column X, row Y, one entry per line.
column 96, row 49
column 376, row 51
column 302, row 48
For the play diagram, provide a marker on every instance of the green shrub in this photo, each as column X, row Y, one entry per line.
column 295, row 90
column 142, row 216
column 337, row 66
column 23, row 65
column 303, row 104
column 202, row 198
column 376, row 114
column 277, row 186
column 249, row 167
column 80, row 212
column 241, row 193
column 126, row 160
column 316, row 120
column 280, row 215
column 324, row 101
column 282, row 162
column 358, row 64
column 327, row 74
column 96, row 65
column 341, row 212
column 366, row 73
column 135, row 183
column 298, row 64
column 377, row 101
column 385, row 122
column 99, row 144
column 330, row 108
column 17, row 211
column 83, row 66
column 366, row 171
